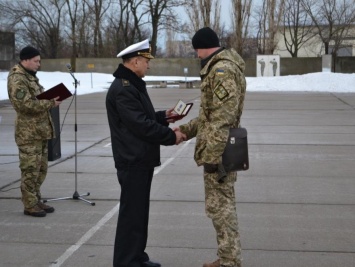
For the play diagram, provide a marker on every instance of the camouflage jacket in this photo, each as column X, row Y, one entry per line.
column 223, row 88
column 33, row 120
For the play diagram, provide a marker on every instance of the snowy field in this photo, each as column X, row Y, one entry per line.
column 98, row 82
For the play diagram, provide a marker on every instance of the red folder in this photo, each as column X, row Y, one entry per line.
column 58, row 90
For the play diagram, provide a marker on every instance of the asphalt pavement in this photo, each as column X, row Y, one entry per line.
column 295, row 205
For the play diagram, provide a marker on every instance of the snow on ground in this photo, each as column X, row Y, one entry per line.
column 98, row 82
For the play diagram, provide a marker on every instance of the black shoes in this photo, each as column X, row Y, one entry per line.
column 150, row 264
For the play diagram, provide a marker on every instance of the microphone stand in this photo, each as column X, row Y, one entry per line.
column 76, row 195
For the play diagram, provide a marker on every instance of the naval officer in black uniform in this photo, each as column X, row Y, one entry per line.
column 137, row 131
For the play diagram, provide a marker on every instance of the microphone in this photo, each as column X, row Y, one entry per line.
column 69, row 67
column 72, row 74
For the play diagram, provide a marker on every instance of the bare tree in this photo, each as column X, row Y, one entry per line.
column 136, row 29
column 162, row 16
column 203, row 13
column 206, row 8
column 126, row 25
column 261, row 35
column 82, row 28
column 332, row 20
column 276, row 8
column 192, row 10
column 85, row 38
column 79, row 30
column 119, row 26
column 270, row 16
column 240, row 23
column 209, row 9
column 297, row 28
column 72, row 7
column 98, row 8
column 38, row 22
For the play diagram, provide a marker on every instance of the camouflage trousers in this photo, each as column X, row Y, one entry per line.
column 221, row 208
column 33, row 164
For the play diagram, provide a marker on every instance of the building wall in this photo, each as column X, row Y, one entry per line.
column 345, row 65
column 298, row 66
column 158, row 66
column 311, row 48
column 314, row 47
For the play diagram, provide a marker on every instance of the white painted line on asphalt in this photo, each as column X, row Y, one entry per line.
column 85, row 237
column 177, row 153
column 107, row 145
column 70, row 251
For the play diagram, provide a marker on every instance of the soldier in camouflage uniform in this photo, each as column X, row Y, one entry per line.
column 222, row 96
column 33, row 126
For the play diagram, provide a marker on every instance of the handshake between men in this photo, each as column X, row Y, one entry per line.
column 180, row 137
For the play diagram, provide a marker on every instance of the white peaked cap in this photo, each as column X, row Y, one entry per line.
column 139, row 49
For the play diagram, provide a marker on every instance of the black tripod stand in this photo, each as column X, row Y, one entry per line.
column 76, row 195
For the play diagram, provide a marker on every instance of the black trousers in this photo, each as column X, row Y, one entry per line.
column 133, row 217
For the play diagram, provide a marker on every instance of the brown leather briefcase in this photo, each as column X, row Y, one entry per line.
column 235, row 156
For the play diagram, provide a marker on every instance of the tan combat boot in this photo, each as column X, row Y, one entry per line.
column 35, row 211
column 46, row 208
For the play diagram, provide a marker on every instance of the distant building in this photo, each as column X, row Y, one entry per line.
column 7, row 49
column 7, row 45
column 314, row 47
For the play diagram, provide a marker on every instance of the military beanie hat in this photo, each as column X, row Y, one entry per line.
column 205, row 38
column 28, row 52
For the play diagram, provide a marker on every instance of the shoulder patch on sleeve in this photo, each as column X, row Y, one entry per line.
column 125, row 82
column 220, row 92
column 20, row 94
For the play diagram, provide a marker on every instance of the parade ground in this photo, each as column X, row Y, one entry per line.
column 295, row 205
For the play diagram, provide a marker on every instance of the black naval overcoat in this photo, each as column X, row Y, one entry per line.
column 137, row 130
